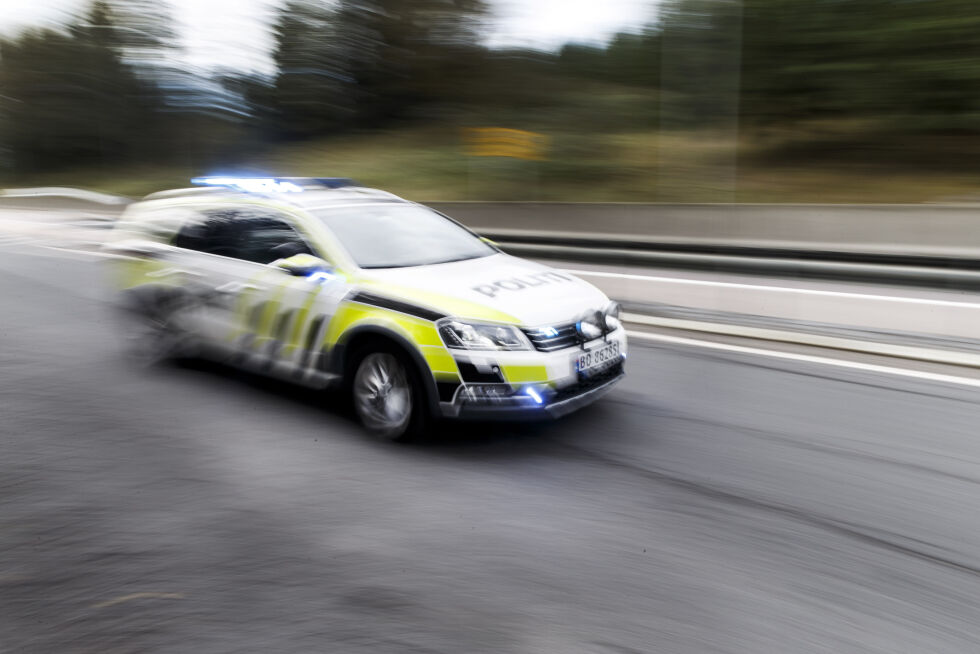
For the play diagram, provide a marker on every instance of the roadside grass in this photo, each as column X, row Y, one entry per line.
column 634, row 163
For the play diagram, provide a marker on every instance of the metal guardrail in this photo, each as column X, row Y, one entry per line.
column 930, row 245
column 923, row 244
column 920, row 229
column 62, row 193
column 942, row 271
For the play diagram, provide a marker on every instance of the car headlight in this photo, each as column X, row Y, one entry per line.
column 612, row 317
column 478, row 336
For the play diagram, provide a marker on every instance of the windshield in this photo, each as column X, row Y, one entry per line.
column 400, row 235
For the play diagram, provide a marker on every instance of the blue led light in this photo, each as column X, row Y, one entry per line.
column 550, row 332
column 534, row 395
column 250, row 184
column 321, row 276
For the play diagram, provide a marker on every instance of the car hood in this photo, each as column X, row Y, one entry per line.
column 499, row 288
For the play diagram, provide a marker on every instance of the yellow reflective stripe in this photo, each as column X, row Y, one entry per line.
column 347, row 316
column 243, row 308
column 419, row 331
column 303, row 327
column 524, row 374
column 440, row 360
column 422, row 333
column 302, row 318
column 269, row 311
column 272, row 308
column 133, row 273
column 267, row 323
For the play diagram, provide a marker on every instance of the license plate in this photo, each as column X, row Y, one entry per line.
column 598, row 359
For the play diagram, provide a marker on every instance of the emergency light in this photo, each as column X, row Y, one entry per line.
column 274, row 184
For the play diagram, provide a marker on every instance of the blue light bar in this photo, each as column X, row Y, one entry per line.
column 274, row 184
column 250, row 184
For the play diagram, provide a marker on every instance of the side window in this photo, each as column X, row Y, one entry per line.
column 265, row 239
column 214, row 232
column 224, row 233
column 192, row 235
column 257, row 237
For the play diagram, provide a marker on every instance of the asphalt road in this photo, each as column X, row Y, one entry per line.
column 717, row 502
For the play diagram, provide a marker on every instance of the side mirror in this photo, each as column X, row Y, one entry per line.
column 290, row 249
column 302, row 265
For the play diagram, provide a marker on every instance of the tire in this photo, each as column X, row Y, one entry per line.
column 387, row 393
column 152, row 328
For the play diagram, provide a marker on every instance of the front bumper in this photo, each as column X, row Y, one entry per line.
column 554, row 404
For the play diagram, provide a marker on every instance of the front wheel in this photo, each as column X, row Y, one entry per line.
column 386, row 396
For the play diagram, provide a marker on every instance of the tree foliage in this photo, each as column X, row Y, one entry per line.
column 107, row 88
column 917, row 61
column 363, row 62
column 69, row 96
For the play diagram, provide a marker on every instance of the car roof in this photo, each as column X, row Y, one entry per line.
column 315, row 198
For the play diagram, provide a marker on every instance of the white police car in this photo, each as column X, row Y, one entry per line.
column 332, row 285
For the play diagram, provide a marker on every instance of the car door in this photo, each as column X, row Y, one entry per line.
column 282, row 323
column 217, row 278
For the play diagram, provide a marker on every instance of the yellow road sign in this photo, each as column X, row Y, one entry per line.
column 505, row 142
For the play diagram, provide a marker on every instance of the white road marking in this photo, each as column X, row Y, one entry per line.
column 806, row 358
column 776, row 289
column 948, row 357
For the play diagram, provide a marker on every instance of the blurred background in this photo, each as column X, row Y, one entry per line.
column 676, row 100
column 790, row 464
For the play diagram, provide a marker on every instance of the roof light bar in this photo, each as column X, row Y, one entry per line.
column 274, row 184
column 250, row 184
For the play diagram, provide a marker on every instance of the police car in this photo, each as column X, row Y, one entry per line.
column 333, row 285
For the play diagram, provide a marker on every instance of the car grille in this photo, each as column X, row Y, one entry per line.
column 548, row 339
column 588, row 383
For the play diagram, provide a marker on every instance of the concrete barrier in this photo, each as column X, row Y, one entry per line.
column 747, row 236
column 938, row 230
column 922, row 230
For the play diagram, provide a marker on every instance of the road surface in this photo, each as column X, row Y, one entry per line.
column 719, row 501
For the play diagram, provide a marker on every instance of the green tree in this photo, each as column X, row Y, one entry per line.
column 67, row 97
column 405, row 52
column 312, row 90
column 910, row 62
column 701, row 61
column 368, row 61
